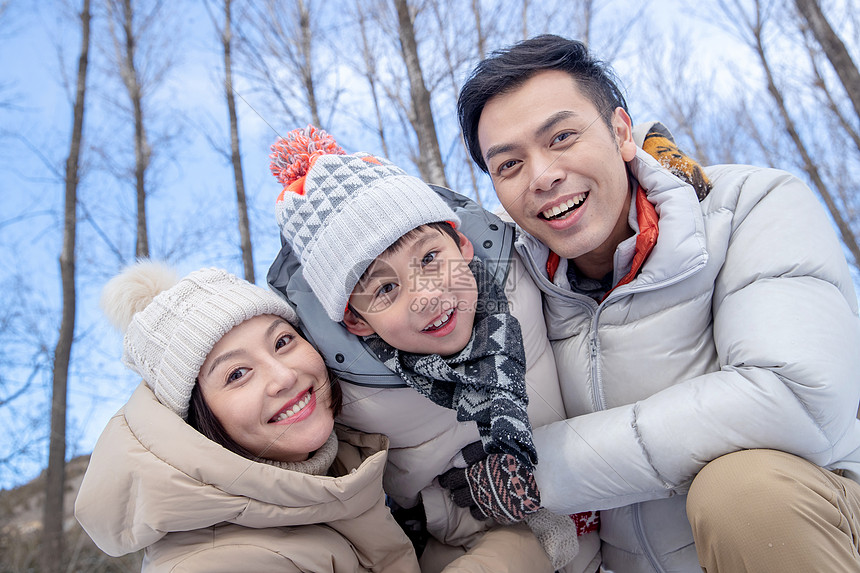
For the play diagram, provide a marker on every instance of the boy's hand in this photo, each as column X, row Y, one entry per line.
column 496, row 486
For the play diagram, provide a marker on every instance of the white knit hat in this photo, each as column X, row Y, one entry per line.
column 171, row 325
column 339, row 212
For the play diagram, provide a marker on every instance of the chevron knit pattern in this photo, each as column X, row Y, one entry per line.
column 334, row 179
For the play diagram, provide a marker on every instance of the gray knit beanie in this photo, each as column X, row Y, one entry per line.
column 171, row 325
column 339, row 212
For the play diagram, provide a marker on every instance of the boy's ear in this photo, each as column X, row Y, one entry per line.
column 355, row 324
column 466, row 247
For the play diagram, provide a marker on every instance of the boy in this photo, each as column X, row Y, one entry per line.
column 382, row 253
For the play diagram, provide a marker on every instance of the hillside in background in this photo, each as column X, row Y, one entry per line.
column 20, row 532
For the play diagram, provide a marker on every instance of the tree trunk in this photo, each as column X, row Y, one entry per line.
column 588, row 17
column 830, row 100
column 441, row 13
column 430, row 160
column 235, row 155
column 141, row 146
column 525, row 18
column 278, row 48
column 480, row 41
column 833, row 48
column 306, row 55
column 52, row 521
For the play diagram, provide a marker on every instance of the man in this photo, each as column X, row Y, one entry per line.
column 708, row 345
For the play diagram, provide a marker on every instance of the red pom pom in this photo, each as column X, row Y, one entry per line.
column 292, row 155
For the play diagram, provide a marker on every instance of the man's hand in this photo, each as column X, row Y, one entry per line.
column 496, row 486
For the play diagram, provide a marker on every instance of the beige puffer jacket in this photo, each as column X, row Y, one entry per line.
column 156, row 483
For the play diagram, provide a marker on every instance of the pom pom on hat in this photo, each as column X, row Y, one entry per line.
column 170, row 326
column 343, row 211
column 130, row 292
column 293, row 155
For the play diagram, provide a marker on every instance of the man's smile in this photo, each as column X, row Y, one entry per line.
column 562, row 210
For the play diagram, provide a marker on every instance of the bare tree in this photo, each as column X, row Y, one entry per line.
column 455, row 54
column 751, row 23
column 834, row 49
column 306, row 58
column 370, row 71
column 140, row 47
column 421, row 114
column 597, row 24
column 480, row 38
column 830, row 101
column 121, row 15
column 52, row 522
column 525, row 19
column 25, row 362
column 279, row 48
column 226, row 35
column 685, row 99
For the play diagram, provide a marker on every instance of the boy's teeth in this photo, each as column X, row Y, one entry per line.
column 298, row 407
column 559, row 209
column 442, row 320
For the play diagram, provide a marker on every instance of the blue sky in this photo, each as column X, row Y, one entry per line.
column 193, row 189
column 195, row 183
column 192, row 206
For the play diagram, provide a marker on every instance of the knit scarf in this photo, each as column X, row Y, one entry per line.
column 317, row 464
column 484, row 382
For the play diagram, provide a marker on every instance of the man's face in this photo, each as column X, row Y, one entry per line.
column 557, row 168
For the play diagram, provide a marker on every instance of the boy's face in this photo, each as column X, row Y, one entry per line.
column 269, row 388
column 557, row 168
column 420, row 299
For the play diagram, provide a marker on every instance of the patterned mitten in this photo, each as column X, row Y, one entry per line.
column 496, row 486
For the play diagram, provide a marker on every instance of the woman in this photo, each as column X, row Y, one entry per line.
column 227, row 458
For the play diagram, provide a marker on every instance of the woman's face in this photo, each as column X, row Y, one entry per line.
column 269, row 389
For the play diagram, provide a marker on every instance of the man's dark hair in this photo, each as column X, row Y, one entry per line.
column 202, row 419
column 505, row 70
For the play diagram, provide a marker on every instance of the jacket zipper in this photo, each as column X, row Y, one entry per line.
column 596, row 377
column 599, row 401
column 640, row 535
column 599, row 398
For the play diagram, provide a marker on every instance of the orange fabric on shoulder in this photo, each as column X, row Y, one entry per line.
column 648, row 220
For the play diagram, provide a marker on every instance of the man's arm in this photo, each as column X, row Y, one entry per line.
column 786, row 334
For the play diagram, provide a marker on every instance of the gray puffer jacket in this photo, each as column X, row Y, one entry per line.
column 740, row 331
